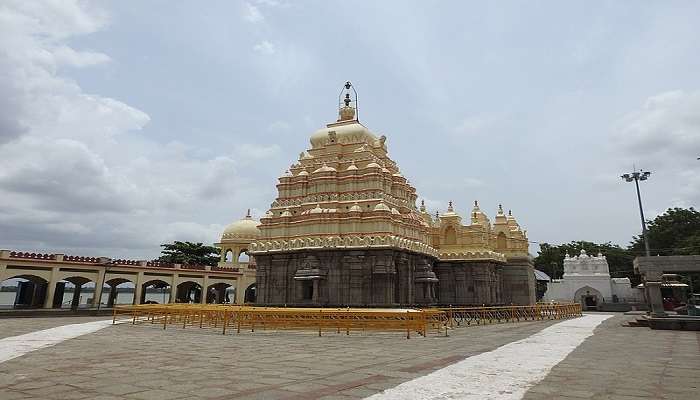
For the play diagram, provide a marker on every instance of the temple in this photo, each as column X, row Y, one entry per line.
column 345, row 230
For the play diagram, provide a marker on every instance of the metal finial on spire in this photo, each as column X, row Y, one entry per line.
column 476, row 203
column 247, row 215
column 347, row 103
column 510, row 213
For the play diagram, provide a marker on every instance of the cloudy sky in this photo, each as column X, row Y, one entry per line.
column 128, row 124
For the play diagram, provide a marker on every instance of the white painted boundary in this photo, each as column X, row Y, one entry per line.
column 16, row 346
column 504, row 373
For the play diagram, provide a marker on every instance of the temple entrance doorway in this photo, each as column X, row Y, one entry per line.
column 589, row 302
column 589, row 298
column 249, row 296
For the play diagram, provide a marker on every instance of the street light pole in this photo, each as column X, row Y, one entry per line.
column 637, row 176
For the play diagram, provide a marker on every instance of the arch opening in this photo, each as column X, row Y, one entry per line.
column 590, row 298
column 243, row 256
column 220, row 293
column 228, row 257
column 450, row 235
column 74, row 292
column 249, row 296
column 501, row 241
column 155, row 291
column 23, row 291
column 117, row 291
column 189, row 292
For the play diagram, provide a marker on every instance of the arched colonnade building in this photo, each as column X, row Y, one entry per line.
column 44, row 278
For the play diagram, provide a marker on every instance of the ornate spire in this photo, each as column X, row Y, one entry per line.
column 449, row 207
column 422, row 206
column 500, row 209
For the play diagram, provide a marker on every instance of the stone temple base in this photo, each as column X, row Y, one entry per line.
column 388, row 278
column 472, row 283
column 519, row 281
column 354, row 278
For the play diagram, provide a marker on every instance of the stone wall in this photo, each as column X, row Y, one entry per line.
column 367, row 277
column 463, row 283
column 519, row 281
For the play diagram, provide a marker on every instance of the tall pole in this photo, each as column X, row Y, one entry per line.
column 644, row 223
column 637, row 176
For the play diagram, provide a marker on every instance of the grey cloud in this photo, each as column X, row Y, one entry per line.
column 666, row 130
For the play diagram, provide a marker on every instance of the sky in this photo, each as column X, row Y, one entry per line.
column 127, row 124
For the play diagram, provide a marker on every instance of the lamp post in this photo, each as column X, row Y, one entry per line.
column 637, row 176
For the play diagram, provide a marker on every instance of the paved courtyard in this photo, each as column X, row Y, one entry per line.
column 145, row 362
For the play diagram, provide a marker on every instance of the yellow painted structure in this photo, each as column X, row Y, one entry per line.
column 338, row 320
column 45, row 271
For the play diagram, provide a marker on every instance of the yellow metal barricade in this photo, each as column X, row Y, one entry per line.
column 460, row 316
column 337, row 320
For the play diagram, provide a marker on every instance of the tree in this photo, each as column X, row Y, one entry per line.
column 189, row 253
column 675, row 232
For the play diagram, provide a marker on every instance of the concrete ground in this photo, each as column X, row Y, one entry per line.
column 145, row 362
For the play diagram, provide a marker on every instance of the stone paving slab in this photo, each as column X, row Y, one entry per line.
column 146, row 362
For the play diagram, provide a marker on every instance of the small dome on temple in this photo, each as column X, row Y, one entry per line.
column 303, row 173
column 373, row 165
column 344, row 132
column 244, row 228
column 352, row 167
column 355, row 208
column 395, row 211
column 316, row 210
column 381, row 207
column 286, row 213
column 325, row 168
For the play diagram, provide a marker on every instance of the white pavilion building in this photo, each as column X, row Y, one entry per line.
column 587, row 280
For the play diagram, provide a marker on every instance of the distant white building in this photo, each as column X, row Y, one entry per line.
column 587, row 280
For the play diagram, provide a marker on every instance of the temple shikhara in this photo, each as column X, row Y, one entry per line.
column 345, row 230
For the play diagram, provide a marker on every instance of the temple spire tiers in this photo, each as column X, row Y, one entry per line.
column 344, row 229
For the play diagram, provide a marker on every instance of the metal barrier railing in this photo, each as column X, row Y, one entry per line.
column 458, row 316
column 227, row 317
column 410, row 321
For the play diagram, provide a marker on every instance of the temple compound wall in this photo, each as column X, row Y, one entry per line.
column 345, row 230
